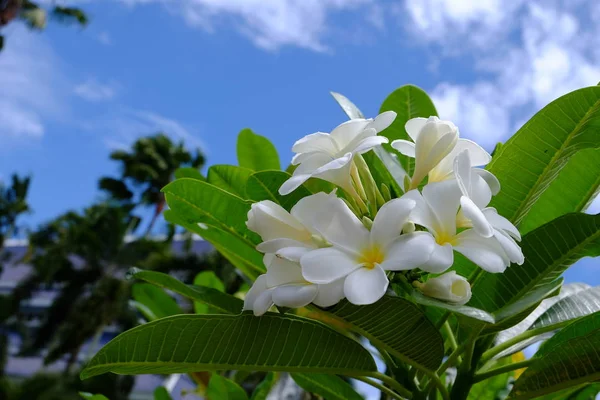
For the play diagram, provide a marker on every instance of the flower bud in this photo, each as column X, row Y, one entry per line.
column 449, row 287
column 271, row 221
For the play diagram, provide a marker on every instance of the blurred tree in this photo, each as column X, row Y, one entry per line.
column 35, row 16
column 146, row 169
column 13, row 203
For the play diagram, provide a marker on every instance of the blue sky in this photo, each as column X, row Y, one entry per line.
column 202, row 70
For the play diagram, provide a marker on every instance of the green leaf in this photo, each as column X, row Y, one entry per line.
column 581, row 178
column 217, row 300
column 186, row 343
column 265, row 185
column 221, row 388
column 189, row 172
column 408, row 102
column 329, row 387
column 575, row 306
column 549, row 251
column 533, row 157
column 464, row 310
column 398, row 326
column 229, row 178
column 161, row 393
column 158, row 302
column 381, row 174
column 492, row 388
column 568, row 359
column 90, row 396
column 256, row 152
column 349, row 108
column 207, row 279
column 262, row 390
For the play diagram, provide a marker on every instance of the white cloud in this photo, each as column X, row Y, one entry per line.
column 92, row 90
column 527, row 54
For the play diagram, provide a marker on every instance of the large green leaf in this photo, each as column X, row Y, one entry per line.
column 221, row 388
column 573, row 189
column 329, row 387
column 531, row 159
column 408, row 102
column 265, row 185
column 398, row 326
column 230, row 178
column 549, row 251
column 256, row 152
column 273, row 342
column 189, row 172
column 569, row 358
column 217, row 300
column 156, row 300
column 207, row 279
column 571, row 307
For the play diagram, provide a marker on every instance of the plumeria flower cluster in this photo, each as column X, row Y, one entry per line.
column 347, row 244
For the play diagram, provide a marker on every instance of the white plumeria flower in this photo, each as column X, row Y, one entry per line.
column 449, row 287
column 436, row 209
column 288, row 235
column 360, row 257
column 284, row 286
column 476, row 195
column 436, row 144
column 329, row 156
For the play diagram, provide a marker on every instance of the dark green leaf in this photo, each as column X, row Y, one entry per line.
column 568, row 359
column 161, row 393
column 230, row 178
column 398, row 326
column 186, row 343
column 408, row 102
column 189, row 172
column 264, row 388
column 221, row 388
column 265, row 186
column 492, row 388
column 329, row 387
column 158, row 302
column 90, row 396
column 216, row 299
column 533, row 157
column 207, row 279
column 256, row 152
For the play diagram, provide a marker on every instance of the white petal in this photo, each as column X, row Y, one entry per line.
column 275, row 245
column 442, row 258
column 368, row 144
column 443, row 199
column 477, row 218
column 404, row 147
column 294, row 296
column 409, row 251
column 318, row 141
column 294, row 253
column 258, row 287
column 383, row 120
column 490, row 179
column 282, row 272
column 337, row 172
column 389, row 221
column 478, row 157
column 413, row 127
column 501, row 223
column 330, row 294
column 449, row 287
column 462, row 172
column 327, row 265
column 422, row 214
column 365, row 286
column 344, row 133
column 292, row 184
column 263, row 302
column 271, row 221
column 512, row 249
column 312, row 162
column 485, row 252
column 306, row 208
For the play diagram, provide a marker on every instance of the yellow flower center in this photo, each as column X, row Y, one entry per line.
column 443, row 237
column 371, row 256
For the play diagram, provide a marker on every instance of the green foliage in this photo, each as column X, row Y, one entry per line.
column 90, row 396
column 70, row 14
column 572, row 307
column 161, row 393
column 264, row 388
column 185, row 343
column 265, row 186
column 207, row 279
column 159, row 303
column 256, row 152
column 13, row 204
column 329, row 387
column 221, row 388
column 533, row 157
column 189, row 172
column 229, row 178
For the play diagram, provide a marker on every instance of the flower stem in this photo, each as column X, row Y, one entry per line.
column 506, row 368
column 379, row 386
column 401, row 390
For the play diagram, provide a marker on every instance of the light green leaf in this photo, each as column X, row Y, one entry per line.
column 549, row 251
column 329, row 387
column 381, row 174
column 256, row 152
column 262, row 390
column 265, row 185
column 573, row 190
column 272, row 342
column 349, row 108
column 217, row 300
column 398, row 326
column 229, row 178
column 161, row 393
column 533, row 157
column 568, row 359
column 158, row 302
column 221, row 388
column 408, row 102
column 571, row 307
column 207, row 279
column 189, row 172
column 90, row 396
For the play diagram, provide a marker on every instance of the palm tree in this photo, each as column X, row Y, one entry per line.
column 147, row 168
column 13, row 203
